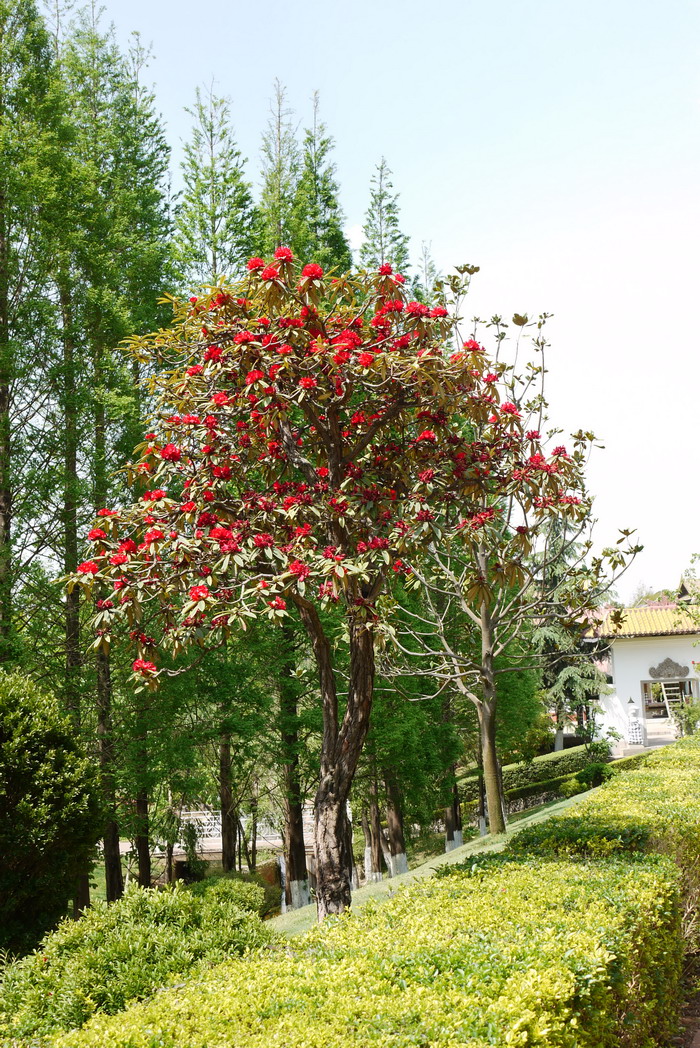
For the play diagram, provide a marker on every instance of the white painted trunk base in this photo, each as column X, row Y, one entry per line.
column 300, row 895
column 399, row 864
column 458, row 839
column 450, row 845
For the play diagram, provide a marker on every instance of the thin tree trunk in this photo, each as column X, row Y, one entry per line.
column 73, row 656
column 486, row 710
column 297, row 879
column 113, row 866
column 394, row 823
column 243, row 842
column 454, row 837
column 143, row 849
column 228, row 821
column 253, row 857
column 375, row 832
column 6, row 369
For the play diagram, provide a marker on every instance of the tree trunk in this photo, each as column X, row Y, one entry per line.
column 394, row 823
column 243, row 842
column 113, row 864
column 375, row 833
column 143, row 849
column 71, row 621
column 492, row 773
column 253, row 857
column 340, row 751
column 228, row 818
column 297, row 879
column 454, row 838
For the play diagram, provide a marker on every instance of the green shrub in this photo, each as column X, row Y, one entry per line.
column 50, row 816
column 550, row 953
column 574, row 836
column 554, row 787
column 122, row 952
column 594, row 775
column 540, row 770
column 244, row 890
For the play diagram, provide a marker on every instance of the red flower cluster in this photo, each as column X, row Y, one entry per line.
column 313, row 271
column 144, row 666
column 199, row 593
column 88, row 567
column 171, row 453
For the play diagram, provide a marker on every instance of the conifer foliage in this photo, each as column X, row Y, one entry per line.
column 384, row 243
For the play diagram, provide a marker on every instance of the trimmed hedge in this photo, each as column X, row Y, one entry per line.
column 558, row 765
column 493, row 959
column 125, row 951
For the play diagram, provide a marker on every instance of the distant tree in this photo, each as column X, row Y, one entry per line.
column 426, row 275
column 214, row 216
column 280, row 177
column 385, row 244
column 318, row 218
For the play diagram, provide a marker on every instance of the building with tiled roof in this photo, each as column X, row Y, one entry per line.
column 651, row 669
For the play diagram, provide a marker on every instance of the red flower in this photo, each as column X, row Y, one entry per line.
column 220, row 399
column 107, row 513
column 127, row 546
column 342, row 357
column 299, row 569
column 307, row 382
column 154, row 535
column 171, row 453
column 532, row 434
column 427, row 475
column 438, row 311
column 417, row 309
column 365, row 359
column 255, row 263
column 284, row 254
column 510, row 409
column 472, row 345
column 187, row 507
column 213, row 353
column 270, row 273
column 385, row 270
column 254, row 376
column 279, row 604
column 144, row 666
column 88, row 567
column 427, row 434
column 263, row 540
column 196, row 369
column 118, row 558
column 199, row 593
column 96, row 533
column 313, row 271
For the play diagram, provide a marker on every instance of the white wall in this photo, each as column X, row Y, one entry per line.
column 631, row 659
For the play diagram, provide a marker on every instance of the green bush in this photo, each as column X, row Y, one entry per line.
column 50, row 816
column 546, row 953
column 569, row 836
column 124, row 951
column 244, row 890
column 554, row 787
column 540, row 770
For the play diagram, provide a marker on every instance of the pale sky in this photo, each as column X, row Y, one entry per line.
column 555, row 144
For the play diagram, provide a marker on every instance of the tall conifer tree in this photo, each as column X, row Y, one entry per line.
column 280, row 176
column 384, row 244
column 214, row 217
column 318, row 218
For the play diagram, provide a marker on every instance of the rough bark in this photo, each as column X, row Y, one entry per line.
column 228, row 816
column 340, row 751
column 375, row 832
column 395, row 828
column 252, row 858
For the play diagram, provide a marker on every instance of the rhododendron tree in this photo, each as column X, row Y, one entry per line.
column 309, row 438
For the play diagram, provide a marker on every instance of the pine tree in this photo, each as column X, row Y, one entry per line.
column 384, row 244
column 423, row 283
column 318, row 218
column 214, row 217
column 280, row 176
column 32, row 144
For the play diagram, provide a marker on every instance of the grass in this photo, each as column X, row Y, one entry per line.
column 296, row 922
